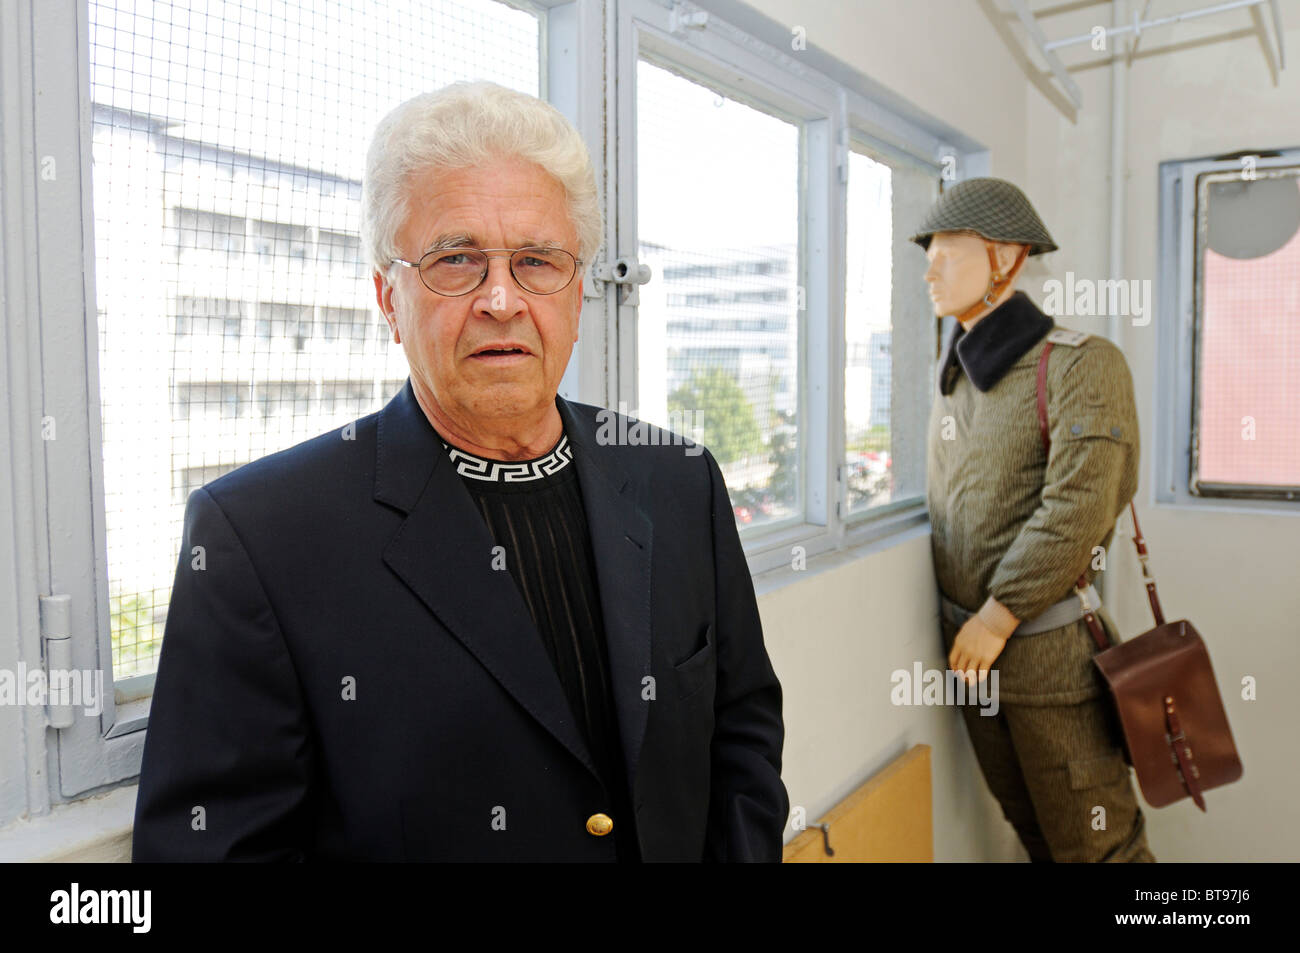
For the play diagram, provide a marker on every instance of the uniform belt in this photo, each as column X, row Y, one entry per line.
column 1056, row 615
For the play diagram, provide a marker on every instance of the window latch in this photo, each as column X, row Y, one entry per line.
column 683, row 18
column 627, row 272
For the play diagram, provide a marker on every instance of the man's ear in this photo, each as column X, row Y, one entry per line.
column 577, row 325
column 384, row 296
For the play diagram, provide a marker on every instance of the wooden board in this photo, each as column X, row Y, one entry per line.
column 887, row 819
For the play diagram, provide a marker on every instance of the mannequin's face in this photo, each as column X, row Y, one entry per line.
column 959, row 269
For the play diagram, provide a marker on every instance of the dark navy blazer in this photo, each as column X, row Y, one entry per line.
column 344, row 676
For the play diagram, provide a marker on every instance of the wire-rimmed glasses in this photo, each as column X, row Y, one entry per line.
column 453, row 272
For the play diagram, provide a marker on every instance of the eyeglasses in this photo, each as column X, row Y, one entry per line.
column 458, row 271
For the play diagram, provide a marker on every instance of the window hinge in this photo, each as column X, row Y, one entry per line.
column 56, row 650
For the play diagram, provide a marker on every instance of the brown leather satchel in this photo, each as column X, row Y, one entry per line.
column 1176, row 733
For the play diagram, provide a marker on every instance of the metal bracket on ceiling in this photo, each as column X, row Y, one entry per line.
column 1054, row 63
column 1048, row 48
column 1278, row 33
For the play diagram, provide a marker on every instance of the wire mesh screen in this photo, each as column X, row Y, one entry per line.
column 1247, row 441
column 718, row 328
column 236, row 313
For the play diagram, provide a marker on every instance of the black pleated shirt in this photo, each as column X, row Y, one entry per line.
column 533, row 511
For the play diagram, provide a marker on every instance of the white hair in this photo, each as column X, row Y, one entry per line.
column 461, row 126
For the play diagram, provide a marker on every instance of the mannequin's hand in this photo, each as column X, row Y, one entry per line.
column 975, row 650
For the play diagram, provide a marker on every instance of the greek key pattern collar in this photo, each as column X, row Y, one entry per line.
column 510, row 471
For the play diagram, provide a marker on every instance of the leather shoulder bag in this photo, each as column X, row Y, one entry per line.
column 1175, row 730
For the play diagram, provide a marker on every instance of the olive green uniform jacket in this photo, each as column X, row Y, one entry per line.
column 1006, row 519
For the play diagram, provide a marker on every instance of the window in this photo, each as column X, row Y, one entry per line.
column 285, row 323
column 718, row 344
column 885, row 393
column 785, row 324
column 207, row 232
column 1247, row 370
column 195, row 315
column 189, row 479
column 344, row 398
column 340, row 253
column 236, row 138
column 1229, row 354
column 346, row 323
column 280, row 239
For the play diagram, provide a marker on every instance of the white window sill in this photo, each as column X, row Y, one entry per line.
column 96, row 829
column 771, row 580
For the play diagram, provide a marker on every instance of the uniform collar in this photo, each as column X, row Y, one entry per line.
column 993, row 346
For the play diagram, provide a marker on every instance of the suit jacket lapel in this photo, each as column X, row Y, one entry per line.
column 443, row 552
column 621, row 539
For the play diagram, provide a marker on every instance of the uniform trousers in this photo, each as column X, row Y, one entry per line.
column 1052, row 758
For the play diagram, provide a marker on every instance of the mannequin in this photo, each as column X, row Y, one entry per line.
column 1013, row 526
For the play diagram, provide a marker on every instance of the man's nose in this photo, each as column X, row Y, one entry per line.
column 503, row 298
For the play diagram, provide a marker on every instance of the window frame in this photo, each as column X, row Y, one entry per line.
column 743, row 54
column 1177, row 323
column 713, row 56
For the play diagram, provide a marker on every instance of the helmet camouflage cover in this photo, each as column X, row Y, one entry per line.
column 992, row 208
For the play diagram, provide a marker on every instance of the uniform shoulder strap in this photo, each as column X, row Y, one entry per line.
column 1067, row 337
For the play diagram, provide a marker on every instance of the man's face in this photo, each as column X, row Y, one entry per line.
column 959, row 271
column 507, row 203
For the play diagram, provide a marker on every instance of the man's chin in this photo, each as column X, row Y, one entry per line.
column 506, row 399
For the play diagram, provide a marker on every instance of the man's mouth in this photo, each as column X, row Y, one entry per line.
column 501, row 353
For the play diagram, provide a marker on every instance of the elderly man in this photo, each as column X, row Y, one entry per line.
column 467, row 627
column 1014, row 526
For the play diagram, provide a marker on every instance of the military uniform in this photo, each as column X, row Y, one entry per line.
column 1011, row 523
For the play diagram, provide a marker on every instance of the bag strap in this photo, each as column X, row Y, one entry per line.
column 1139, row 542
column 1148, row 579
